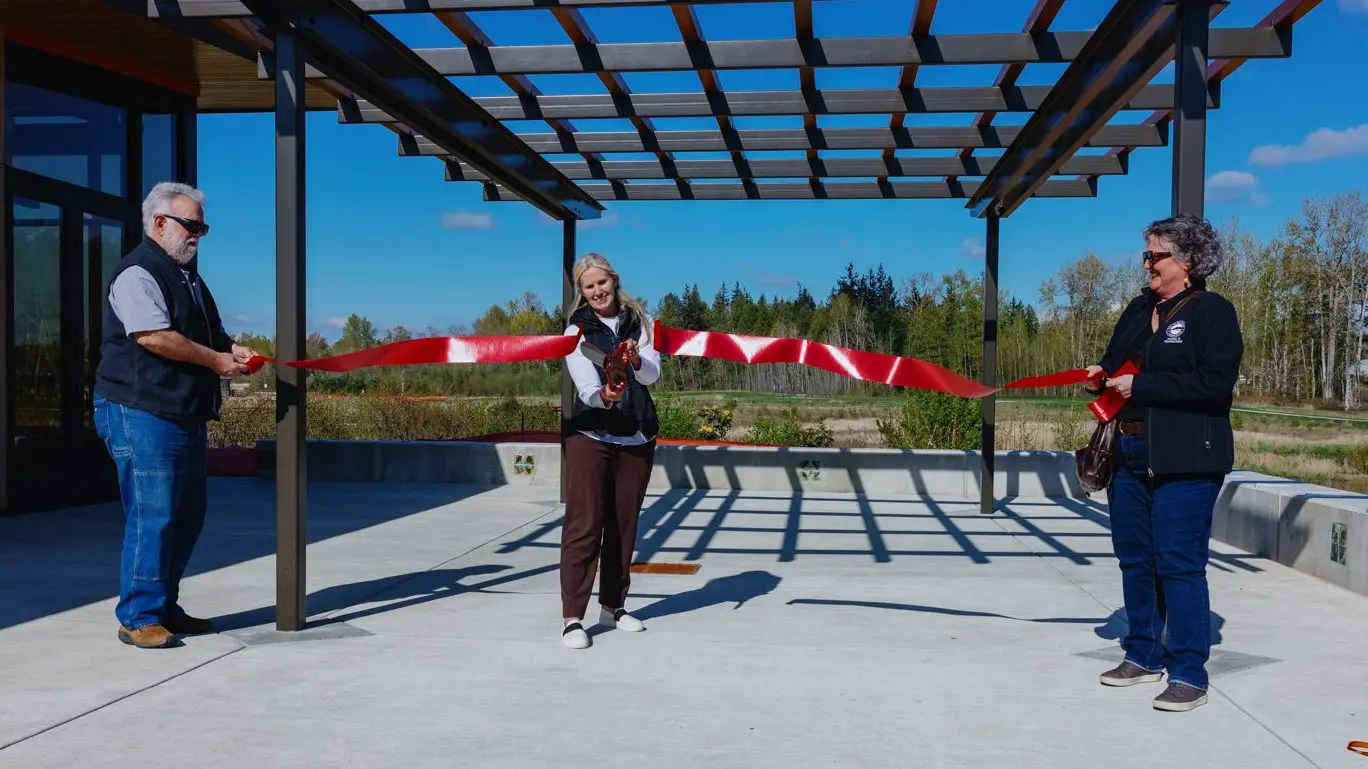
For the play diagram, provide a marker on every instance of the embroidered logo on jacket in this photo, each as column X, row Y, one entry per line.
column 1174, row 333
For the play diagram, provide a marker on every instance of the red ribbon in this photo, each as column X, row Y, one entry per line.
column 893, row 370
column 438, row 349
column 857, row 364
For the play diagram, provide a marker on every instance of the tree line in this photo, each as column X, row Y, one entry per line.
column 1300, row 296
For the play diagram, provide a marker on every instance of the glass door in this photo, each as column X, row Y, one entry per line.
column 62, row 257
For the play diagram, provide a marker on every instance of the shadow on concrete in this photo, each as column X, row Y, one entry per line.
column 687, row 467
column 1098, row 514
column 735, row 588
column 64, row 559
column 1116, row 627
column 336, row 604
column 941, row 610
column 670, row 520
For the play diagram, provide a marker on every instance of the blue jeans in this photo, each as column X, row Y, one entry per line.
column 162, row 467
column 1161, row 532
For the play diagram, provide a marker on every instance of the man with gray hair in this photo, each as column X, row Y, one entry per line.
column 162, row 352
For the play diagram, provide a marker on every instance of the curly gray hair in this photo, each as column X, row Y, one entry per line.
column 1194, row 242
column 158, row 201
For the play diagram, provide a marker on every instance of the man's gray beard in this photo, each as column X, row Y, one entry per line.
column 180, row 253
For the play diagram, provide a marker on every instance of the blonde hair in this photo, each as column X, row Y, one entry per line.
column 624, row 300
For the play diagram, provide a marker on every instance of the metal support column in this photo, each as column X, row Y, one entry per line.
column 6, row 272
column 567, row 301
column 990, row 318
column 291, row 464
column 187, row 142
column 1190, row 106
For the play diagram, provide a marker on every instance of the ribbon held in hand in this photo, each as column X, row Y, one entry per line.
column 857, row 364
column 438, row 349
column 1109, row 404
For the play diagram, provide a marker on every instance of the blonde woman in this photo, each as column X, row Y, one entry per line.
column 610, row 450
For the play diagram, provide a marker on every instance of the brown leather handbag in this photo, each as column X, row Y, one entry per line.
column 1096, row 461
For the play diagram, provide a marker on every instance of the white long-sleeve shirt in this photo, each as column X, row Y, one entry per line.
column 588, row 385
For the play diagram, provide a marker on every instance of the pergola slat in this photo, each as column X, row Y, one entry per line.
column 794, row 139
column 806, row 190
column 1012, row 49
column 782, row 168
column 236, row 9
column 856, row 101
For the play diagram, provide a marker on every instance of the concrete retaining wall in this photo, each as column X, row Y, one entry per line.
column 870, row 471
column 1313, row 529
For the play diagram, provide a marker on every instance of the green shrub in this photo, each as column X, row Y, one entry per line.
column 1237, row 420
column 935, row 420
column 715, row 421
column 676, row 419
column 788, row 429
column 1070, row 434
column 1358, row 457
column 504, row 415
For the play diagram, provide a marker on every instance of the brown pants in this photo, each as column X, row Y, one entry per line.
column 605, row 486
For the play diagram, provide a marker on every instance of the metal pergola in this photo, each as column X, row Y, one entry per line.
column 377, row 79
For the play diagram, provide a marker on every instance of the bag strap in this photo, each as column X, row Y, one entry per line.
column 1174, row 310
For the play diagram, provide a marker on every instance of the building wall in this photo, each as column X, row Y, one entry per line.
column 82, row 144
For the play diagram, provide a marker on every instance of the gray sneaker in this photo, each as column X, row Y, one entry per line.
column 1180, row 697
column 1128, row 674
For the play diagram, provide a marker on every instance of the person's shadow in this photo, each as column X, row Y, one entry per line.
column 1116, row 627
column 736, row 588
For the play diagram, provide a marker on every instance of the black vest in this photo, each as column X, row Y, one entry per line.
column 636, row 411
column 132, row 376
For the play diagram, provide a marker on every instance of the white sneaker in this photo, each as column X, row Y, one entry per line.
column 574, row 636
column 621, row 620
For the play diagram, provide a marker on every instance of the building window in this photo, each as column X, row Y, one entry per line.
column 67, row 138
column 158, row 151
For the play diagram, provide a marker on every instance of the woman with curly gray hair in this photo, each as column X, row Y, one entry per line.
column 1174, row 447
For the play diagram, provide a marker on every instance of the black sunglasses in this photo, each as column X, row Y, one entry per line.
column 192, row 226
column 1150, row 257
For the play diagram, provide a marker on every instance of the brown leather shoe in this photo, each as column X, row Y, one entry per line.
column 147, row 637
column 187, row 625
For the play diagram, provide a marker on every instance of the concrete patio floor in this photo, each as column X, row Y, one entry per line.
column 821, row 630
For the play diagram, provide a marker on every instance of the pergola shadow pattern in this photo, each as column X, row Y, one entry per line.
column 690, row 525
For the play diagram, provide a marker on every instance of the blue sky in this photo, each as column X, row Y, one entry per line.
column 388, row 238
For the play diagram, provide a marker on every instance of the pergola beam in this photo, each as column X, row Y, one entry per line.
column 856, row 101
column 782, row 168
column 356, row 51
column 804, row 190
column 1014, row 49
column 235, row 9
column 795, row 139
column 1124, row 54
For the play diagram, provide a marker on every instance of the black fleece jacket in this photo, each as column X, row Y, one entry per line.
column 1187, row 379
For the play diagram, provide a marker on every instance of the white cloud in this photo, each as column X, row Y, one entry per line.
column 1354, row 6
column 973, row 246
column 1320, row 144
column 1232, row 186
column 468, row 220
column 339, row 322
